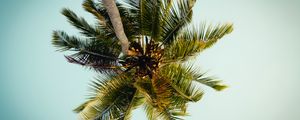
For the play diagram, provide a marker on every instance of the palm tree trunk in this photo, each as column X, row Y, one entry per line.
column 115, row 18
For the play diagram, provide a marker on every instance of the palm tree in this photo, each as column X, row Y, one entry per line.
column 156, row 77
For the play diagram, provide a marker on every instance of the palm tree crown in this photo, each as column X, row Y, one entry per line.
column 155, row 76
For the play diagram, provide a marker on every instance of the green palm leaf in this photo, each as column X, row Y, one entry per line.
column 178, row 15
column 209, row 34
column 91, row 7
column 92, row 53
column 160, row 98
column 148, row 14
column 194, row 40
column 156, row 91
column 182, row 50
column 165, row 114
column 80, row 23
column 181, row 80
column 111, row 99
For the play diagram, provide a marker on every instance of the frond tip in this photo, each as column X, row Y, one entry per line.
column 208, row 81
column 215, row 84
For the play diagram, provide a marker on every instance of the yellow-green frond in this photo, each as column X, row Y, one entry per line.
column 176, row 16
column 112, row 97
column 194, row 40
column 211, row 34
column 182, row 50
column 212, row 82
column 181, row 81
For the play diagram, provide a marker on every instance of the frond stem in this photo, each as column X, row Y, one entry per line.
column 181, row 93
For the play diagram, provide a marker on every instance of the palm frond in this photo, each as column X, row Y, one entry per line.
column 159, row 97
column 156, row 91
column 162, row 92
column 80, row 23
column 182, row 50
column 181, row 81
column 102, row 48
column 150, row 111
column 213, row 83
column 208, row 81
column 194, row 40
column 130, row 20
column 137, row 100
column 165, row 114
column 156, row 18
column 148, row 15
column 111, row 99
column 91, row 7
column 64, row 42
column 209, row 34
column 93, row 53
column 179, row 15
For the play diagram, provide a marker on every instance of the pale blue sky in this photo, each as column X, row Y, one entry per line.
column 259, row 61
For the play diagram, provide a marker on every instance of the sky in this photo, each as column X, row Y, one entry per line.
column 259, row 60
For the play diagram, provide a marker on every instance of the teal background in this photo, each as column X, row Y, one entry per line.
column 259, row 61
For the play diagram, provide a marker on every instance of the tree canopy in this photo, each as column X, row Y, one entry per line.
column 156, row 77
